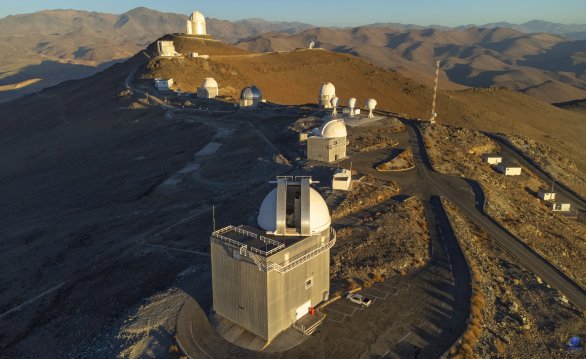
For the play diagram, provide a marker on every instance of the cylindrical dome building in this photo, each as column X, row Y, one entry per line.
column 327, row 92
column 196, row 25
column 250, row 96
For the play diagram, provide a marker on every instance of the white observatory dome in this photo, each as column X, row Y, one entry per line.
column 371, row 104
column 319, row 215
column 209, row 82
column 197, row 16
column 335, row 128
column 352, row 102
column 328, row 89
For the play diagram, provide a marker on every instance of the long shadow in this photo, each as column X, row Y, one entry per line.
column 51, row 73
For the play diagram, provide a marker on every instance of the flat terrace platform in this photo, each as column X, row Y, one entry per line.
column 255, row 239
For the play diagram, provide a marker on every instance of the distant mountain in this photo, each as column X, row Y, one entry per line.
column 57, row 45
column 571, row 31
column 545, row 66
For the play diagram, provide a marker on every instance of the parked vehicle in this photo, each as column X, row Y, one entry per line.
column 359, row 299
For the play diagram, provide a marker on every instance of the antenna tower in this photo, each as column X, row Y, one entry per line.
column 433, row 113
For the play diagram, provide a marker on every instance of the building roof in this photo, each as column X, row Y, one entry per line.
column 197, row 17
column 511, row 164
column 327, row 89
column 209, row 82
column 335, row 128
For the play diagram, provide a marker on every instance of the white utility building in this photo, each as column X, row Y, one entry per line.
column 342, row 180
column 510, row 169
column 266, row 278
column 208, row 89
column 328, row 143
column 250, row 96
column 163, row 84
column 196, row 25
column 492, row 158
column 327, row 92
column 546, row 195
column 166, row 49
column 561, row 207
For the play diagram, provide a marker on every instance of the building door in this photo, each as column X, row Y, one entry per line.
column 302, row 310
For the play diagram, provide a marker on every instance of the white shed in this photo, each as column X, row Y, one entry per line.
column 342, row 180
column 561, row 207
column 546, row 195
column 163, row 84
column 492, row 159
column 509, row 169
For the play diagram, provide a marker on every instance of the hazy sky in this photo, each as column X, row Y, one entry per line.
column 337, row 13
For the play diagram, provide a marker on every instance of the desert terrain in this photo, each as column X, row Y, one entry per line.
column 108, row 195
column 545, row 66
column 59, row 45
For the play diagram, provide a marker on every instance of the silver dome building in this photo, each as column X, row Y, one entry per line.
column 268, row 276
column 250, row 96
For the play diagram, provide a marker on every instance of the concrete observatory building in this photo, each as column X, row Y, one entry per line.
column 208, row 89
column 196, row 25
column 327, row 92
column 328, row 143
column 265, row 279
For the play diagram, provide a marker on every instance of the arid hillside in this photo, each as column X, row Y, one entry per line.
column 294, row 78
column 548, row 67
column 57, row 45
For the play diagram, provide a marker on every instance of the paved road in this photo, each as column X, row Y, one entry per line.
column 451, row 188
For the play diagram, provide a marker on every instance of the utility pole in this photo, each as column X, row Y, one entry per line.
column 433, row 113
column 214, row 217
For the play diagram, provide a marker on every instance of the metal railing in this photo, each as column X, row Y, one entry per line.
column 264, row 264
column 219, row 235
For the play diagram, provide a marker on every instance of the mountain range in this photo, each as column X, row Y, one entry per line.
column 45, row 48
column 548, row 67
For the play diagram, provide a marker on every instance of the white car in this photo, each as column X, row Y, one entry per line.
column 359, row 299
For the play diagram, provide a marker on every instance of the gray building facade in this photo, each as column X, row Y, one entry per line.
column 264, row 279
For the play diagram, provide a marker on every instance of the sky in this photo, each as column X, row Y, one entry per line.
column 337, row 13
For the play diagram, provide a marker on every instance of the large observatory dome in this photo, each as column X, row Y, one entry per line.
column 334, row 128
column 319, row 215
column 328, row 89
column 197, row 17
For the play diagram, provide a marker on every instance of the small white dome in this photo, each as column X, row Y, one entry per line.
column 319, row 215
column 327, row 89
column 197, row 16
column 371, row 104
column 209, row 83
column 335, row 101
column 352, row 102
column 335, row 128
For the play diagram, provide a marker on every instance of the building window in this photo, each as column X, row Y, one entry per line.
column 308, row 282
column 236, row 254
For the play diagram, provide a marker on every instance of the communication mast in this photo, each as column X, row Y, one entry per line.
column 433, row 113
